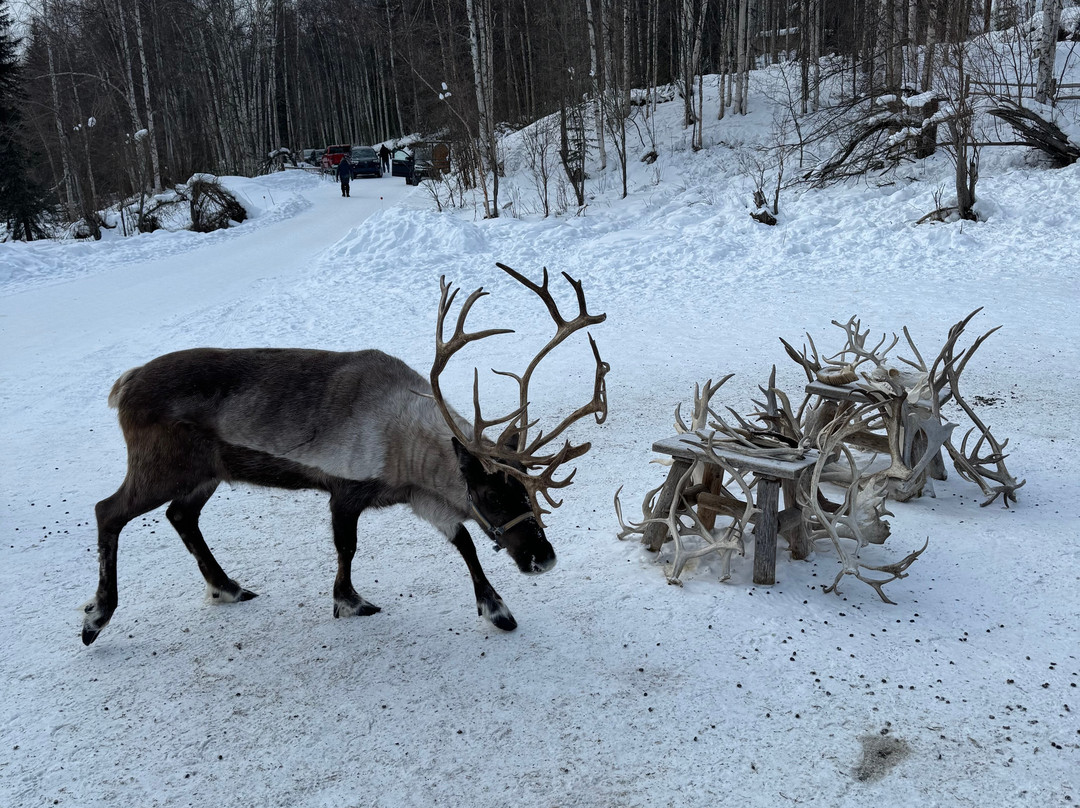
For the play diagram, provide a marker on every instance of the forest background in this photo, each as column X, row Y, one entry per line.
column 111, row 98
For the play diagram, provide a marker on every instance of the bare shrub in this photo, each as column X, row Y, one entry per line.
column 541, row 156
column 212, row 206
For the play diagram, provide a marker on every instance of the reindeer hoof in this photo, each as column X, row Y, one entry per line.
column 234, row 594
column 89, row 635
column 496, row 612
column 354, row 607
column 97, row 617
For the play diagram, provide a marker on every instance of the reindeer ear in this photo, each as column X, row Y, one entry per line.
column 467, row 462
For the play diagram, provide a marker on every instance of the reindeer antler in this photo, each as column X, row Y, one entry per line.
column 512, row 452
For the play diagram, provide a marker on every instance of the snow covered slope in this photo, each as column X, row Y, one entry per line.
column 617, row 689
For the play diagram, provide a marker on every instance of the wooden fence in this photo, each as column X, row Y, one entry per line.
column 1023, row 89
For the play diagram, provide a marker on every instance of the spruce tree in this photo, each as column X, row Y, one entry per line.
column 24, row 202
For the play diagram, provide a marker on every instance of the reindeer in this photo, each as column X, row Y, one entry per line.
column 362, row 426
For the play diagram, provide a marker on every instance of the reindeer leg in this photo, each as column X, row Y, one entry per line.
column 164, row 464
column 113, row 513
column 183, row 513
column 488, row 602
column 346, row 505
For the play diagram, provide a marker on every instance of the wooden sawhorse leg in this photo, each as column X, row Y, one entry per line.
column 656, row 533
column 768, row 498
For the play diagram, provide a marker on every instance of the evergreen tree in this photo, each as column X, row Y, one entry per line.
column 24, row 202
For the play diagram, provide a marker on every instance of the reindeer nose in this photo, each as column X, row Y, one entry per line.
column 539, row 565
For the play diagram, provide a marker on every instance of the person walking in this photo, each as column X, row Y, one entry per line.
column 344, row 173
column 384, row 157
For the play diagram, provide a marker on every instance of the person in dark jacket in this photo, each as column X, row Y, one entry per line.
column 384, row 157
column 344, row 173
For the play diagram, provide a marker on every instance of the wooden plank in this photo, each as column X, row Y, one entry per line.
column 711, row 482
column 682, row 446
column 1019, row 84
column 718, row 504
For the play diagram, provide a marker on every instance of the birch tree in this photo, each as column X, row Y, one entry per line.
column 594, row 81
column 742, row 66
column 152, row 137
column 127, row 73
column 68, row 178
column 480, row 31
column 1044, row 76
column 934, row 33
column 691, row 23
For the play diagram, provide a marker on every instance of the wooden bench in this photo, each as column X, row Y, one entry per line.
column 769, row 473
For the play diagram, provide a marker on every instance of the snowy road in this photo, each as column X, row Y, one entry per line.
column 66, row 320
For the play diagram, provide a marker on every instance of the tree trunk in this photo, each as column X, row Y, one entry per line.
column 651, row 61
column 129, row 90
column 272, row 81
column 624, row 107
column 912, row 69
column 685, row 28
column 479, row 41
column 695, row 70
column 572, row 162
column 1051, row 24
column 489, row 76
column 869, row 60
column 393, row 73
column 594, row 79
column 151, row 144
column 891, row 27
column 962, row 123
column 815, row 53
column 71, row 203
column 742, row 68
column 804, row 56
column 933, row 36
column 513, row 84
column 528, row 63
column 626, row 78
column 727, row 43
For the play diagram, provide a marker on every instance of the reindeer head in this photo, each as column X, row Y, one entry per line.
column 500, row 504
column 503, row 495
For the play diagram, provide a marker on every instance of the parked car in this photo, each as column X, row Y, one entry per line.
column 333, row 154
column 427, row 159
column 401, row 163
column 365, row 162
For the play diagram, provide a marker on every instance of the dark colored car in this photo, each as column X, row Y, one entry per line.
column 401, row 163
column 365, row 162
column 426, row 160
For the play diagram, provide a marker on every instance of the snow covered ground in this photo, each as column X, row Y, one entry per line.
column 617, row 689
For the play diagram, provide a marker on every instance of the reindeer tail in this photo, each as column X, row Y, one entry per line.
column 116, row 395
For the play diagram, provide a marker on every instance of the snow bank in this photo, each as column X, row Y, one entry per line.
column 268, row 199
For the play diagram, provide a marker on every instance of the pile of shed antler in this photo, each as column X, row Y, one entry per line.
column 906, row 405
column 856, row 402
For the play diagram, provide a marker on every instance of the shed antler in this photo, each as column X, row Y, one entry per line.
column 513, row 453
